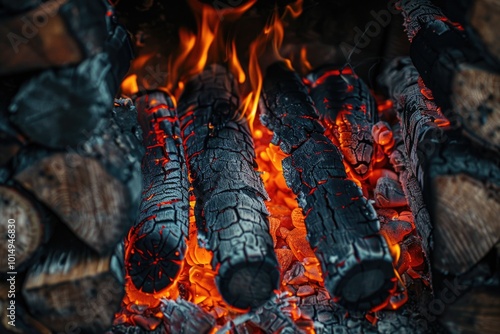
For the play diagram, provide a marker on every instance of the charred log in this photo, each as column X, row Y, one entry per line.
column 413, row 193
column 347, row 110
column 94, row 190
column 61, row 107
column 157, row 242
column 230, row 212
column 341, row 224
column 463, row 86
column 459, row 182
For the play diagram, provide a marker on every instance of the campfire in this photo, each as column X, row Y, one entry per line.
column 258, row 172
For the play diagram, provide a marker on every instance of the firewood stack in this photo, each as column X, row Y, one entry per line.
column 70, row 166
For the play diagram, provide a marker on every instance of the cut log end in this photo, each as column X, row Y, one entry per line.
column 465, row 214
column 90, row 201
column 366, row 279
column 156, row 259
column 484, row 16
column 476, row 100
column 248, row 285
column 22, row 223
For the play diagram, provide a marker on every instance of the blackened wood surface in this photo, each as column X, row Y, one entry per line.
column 60, row 107
column 463, row 85
column 230, row 212
column 347, row 110
column 459, row 182
column 157, row 241
column 341, row 224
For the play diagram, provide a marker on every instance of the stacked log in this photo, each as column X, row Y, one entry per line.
column 463, row 84
column 459, row 181
column 156, row 245
column 61, row 107
column 39, row 35
column 72, row 288
column 231, row 216
column 70, row 209
column 341, row 224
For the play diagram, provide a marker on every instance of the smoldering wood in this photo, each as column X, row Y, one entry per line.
column 61, row 107
column 27, row 229
column 157, row 241
column 342, row 225
column 95, row 188
column 464, row 86
column 72, row 286
column 347, row 111
column 459, row 181
column 413, row 193
column 231, row 216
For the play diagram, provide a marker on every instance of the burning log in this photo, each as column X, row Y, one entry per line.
column 458, row 181
column 347, row 110
column 342, row 225
column 61, row 107
column 157, row 242
column 73, row 288
column 411, row 188
column 230, row 212
column 38, row 35
column 23, row 229
column 463, row 86
column 94, row 190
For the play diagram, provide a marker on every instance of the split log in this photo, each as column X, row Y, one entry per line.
column 23, row 321
column 347, row 110
column 460, row 182
column 477, row 311
column 22, row 225
column 463, row 85
column 230, row 212
column 481, row 21
column 51, row 34
column 71, row 288
column 60, row 107
column 156, row 245
column 342, row 225
column 94, row 190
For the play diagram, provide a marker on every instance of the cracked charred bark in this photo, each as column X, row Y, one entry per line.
column 347, row 110
column 157, row 242
column 464, row 86
column 342, row 225
column 459, row 181
column 230, row 212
